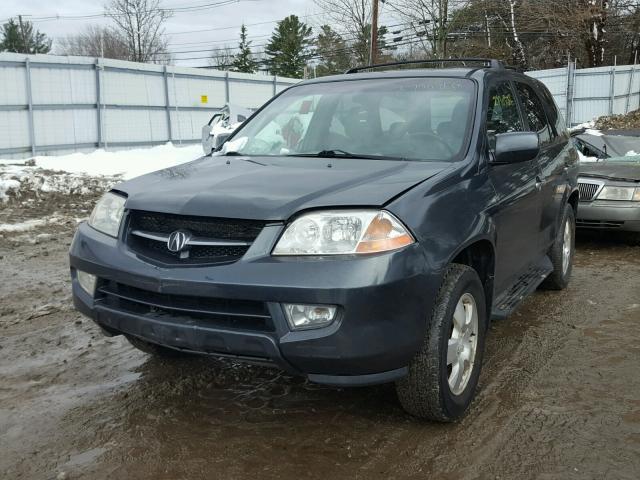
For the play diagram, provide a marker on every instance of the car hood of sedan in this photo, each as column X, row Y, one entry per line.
column 273, row 188
column 626, row 170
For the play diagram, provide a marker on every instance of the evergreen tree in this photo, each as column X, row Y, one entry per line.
column 333, row 52
column 243, row 61
column 288, row 49
column 23, row 39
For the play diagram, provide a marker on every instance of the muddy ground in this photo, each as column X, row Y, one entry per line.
column 559, row 396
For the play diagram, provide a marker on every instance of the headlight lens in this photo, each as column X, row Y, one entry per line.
column 340, row 232
column 107, row 214
column 610, row 192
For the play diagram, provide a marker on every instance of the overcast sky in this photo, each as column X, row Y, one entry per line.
column 221, row 23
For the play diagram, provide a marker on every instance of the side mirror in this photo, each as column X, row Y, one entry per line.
column 219, row 141
column 207, row 139
column 516, row 147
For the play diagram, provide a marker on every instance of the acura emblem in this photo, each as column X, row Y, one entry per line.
column 178, row 240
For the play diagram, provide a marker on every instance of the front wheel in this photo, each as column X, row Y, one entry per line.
column 443, row 376
column 562, row 252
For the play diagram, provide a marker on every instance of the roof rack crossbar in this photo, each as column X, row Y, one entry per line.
column 488, row 62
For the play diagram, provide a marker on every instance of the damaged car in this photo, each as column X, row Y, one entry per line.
column 356, row 230
column 609, row 180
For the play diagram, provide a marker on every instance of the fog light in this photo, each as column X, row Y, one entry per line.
column 87, row 281
column 301, row 317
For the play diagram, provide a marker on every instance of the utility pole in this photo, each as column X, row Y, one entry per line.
column 373, row 57
column 24, row 38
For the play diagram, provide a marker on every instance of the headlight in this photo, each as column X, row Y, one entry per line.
column 340, row 232
column 107, row 214
column 617, row 193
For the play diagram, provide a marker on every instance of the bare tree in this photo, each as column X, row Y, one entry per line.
column 95, row 41
column 353, row 17
column 430, row 21
column 222, row 58
column 594, row 14
column 141, row 22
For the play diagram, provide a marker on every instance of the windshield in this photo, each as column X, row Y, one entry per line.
column 610, row 147
column 396, row 118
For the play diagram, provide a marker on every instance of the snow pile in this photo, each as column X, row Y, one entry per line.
column 7, row 185
column 589, row 129
column 24, row 226
column 584, row 159
column 84, row 173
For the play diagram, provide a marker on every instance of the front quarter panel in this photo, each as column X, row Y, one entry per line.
column 447, row 214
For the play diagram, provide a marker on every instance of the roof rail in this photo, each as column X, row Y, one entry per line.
column 487, row 62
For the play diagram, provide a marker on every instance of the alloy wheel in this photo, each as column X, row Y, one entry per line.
column 463, row 341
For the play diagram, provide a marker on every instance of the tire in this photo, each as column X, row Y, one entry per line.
column 155, row 350
column 425, row 392
column 559, row 278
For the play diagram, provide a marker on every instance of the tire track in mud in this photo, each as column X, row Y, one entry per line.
column 555, row 395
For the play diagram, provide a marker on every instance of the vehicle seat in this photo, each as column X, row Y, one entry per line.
column 452, row 131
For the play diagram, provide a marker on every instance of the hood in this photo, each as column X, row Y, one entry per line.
column 624, row 171
column 273, row 188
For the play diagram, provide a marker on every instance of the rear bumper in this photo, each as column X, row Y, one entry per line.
column 382, row 299
column 608, row 215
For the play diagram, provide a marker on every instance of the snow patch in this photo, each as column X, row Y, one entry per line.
column 125, row 163
column 584, row 159
column 6, row 185
column 86, row 173
column 24, row 226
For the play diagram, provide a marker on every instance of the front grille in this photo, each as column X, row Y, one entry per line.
column 192, row 310
column 588, row 190
column 222, row 228
column 217, row 230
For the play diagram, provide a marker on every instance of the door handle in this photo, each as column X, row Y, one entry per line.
column 538, row 183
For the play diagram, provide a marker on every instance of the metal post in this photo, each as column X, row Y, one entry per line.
column 570, row 90
column 612, row 86
column 275, row 85
column 631, row 75
column 227, row 90
column 32, row 136
column 98, row 106
column 167, row 104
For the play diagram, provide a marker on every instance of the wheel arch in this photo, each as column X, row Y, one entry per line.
column 573, row 200
column 479, row 254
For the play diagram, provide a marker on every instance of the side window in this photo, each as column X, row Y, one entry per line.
column 555, row 117
column 534, row 112
column 502, row 115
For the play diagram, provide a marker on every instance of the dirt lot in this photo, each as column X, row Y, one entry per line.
column 559, row 396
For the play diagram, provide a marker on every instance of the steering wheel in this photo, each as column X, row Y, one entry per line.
column 428, row 137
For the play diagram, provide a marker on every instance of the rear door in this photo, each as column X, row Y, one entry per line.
column 551, row 161
column 517, row 208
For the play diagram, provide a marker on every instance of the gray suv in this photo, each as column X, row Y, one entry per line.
column 357, row 229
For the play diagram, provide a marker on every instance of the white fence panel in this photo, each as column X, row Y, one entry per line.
column 590, row 93
column 50, row 104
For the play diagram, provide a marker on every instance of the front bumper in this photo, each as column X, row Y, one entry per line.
column 609, row 215
column 384, row 301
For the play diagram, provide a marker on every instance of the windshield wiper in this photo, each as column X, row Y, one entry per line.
column 337, row 153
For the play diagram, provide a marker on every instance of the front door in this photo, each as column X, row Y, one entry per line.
column 517, row 209
column 553, row 159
